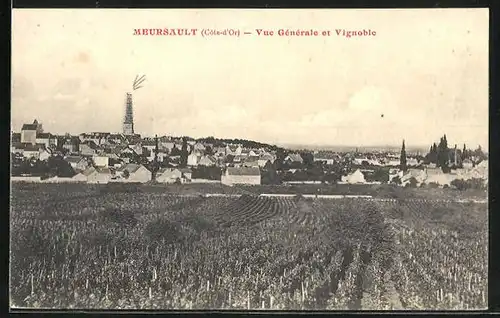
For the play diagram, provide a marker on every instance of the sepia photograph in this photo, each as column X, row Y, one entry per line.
column 273, row 160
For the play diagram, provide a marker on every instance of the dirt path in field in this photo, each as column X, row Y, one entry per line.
column 358, row 300
column 367, row 303
column 392, row 295
column 347, row 258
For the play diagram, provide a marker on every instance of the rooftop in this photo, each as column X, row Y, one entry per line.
column 243, row 171
column 29, row 127
column 73, row 159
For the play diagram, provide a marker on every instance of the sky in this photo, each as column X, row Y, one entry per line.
column 424, row 74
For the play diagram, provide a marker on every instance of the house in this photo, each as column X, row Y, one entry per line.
column 29, row 132
column 264, row 158
column 71, row 144
column 88, row 148
column 128, row 151
column 32, row 151
column 207, row 161
column 101, row 160
column 46, row 139
column 193, row 159
column 97, row 138
column 326, row 161
column 234, row 150
column 418, row 174
column 245, row 153
column 325, row 158
column 134, row 173
column 171, row 175
column 108, row 144
column 150, row 145
column 83, row 176
column 174, row 160
column 294, row 157
column 17, row 148
column 374, row 162
column 437, row 176
column 238, row 159
column 412, row 162
column 253, row 153
column 161, row 155
column 111, row 155
column 355, row 177
column 393, row 173
column 167, row 145
column 242, row 175
column 132, row 139
column 371, row 161
column 116, row 138
column 392, row 160
column 102, row 175
column 136, row 148
column 56, row 153
column 186, row 174
column 78, row 163
column 251, row 161
column 199, row 147
column 116, row 163
column 45, row 153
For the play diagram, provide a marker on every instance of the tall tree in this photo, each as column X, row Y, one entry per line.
column 175, row 151
column 184, row 153
column 431, row 157
column 464, row 153
column 479, row 154
column 456, row 159
column 308, row 158
column 443, row 154
column 59, row 167
column 402, row 162
column 209, row 151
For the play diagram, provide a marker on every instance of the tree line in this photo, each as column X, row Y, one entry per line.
column 447, row 158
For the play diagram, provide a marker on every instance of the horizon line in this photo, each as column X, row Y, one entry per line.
column 274, row 143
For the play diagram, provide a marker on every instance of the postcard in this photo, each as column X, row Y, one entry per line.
column 249, row 159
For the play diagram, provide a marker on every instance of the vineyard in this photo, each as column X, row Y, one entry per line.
column 98, row 249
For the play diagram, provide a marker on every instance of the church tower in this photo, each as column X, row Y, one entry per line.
column 128, row 122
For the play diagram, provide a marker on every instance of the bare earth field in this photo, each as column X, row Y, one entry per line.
column 149, row 247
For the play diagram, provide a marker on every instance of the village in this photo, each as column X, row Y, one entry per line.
column 39, row 156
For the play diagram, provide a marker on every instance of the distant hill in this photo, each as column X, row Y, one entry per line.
column 421, row 150
column 219, row 142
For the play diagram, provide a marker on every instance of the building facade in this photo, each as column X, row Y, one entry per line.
column 242, row 175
